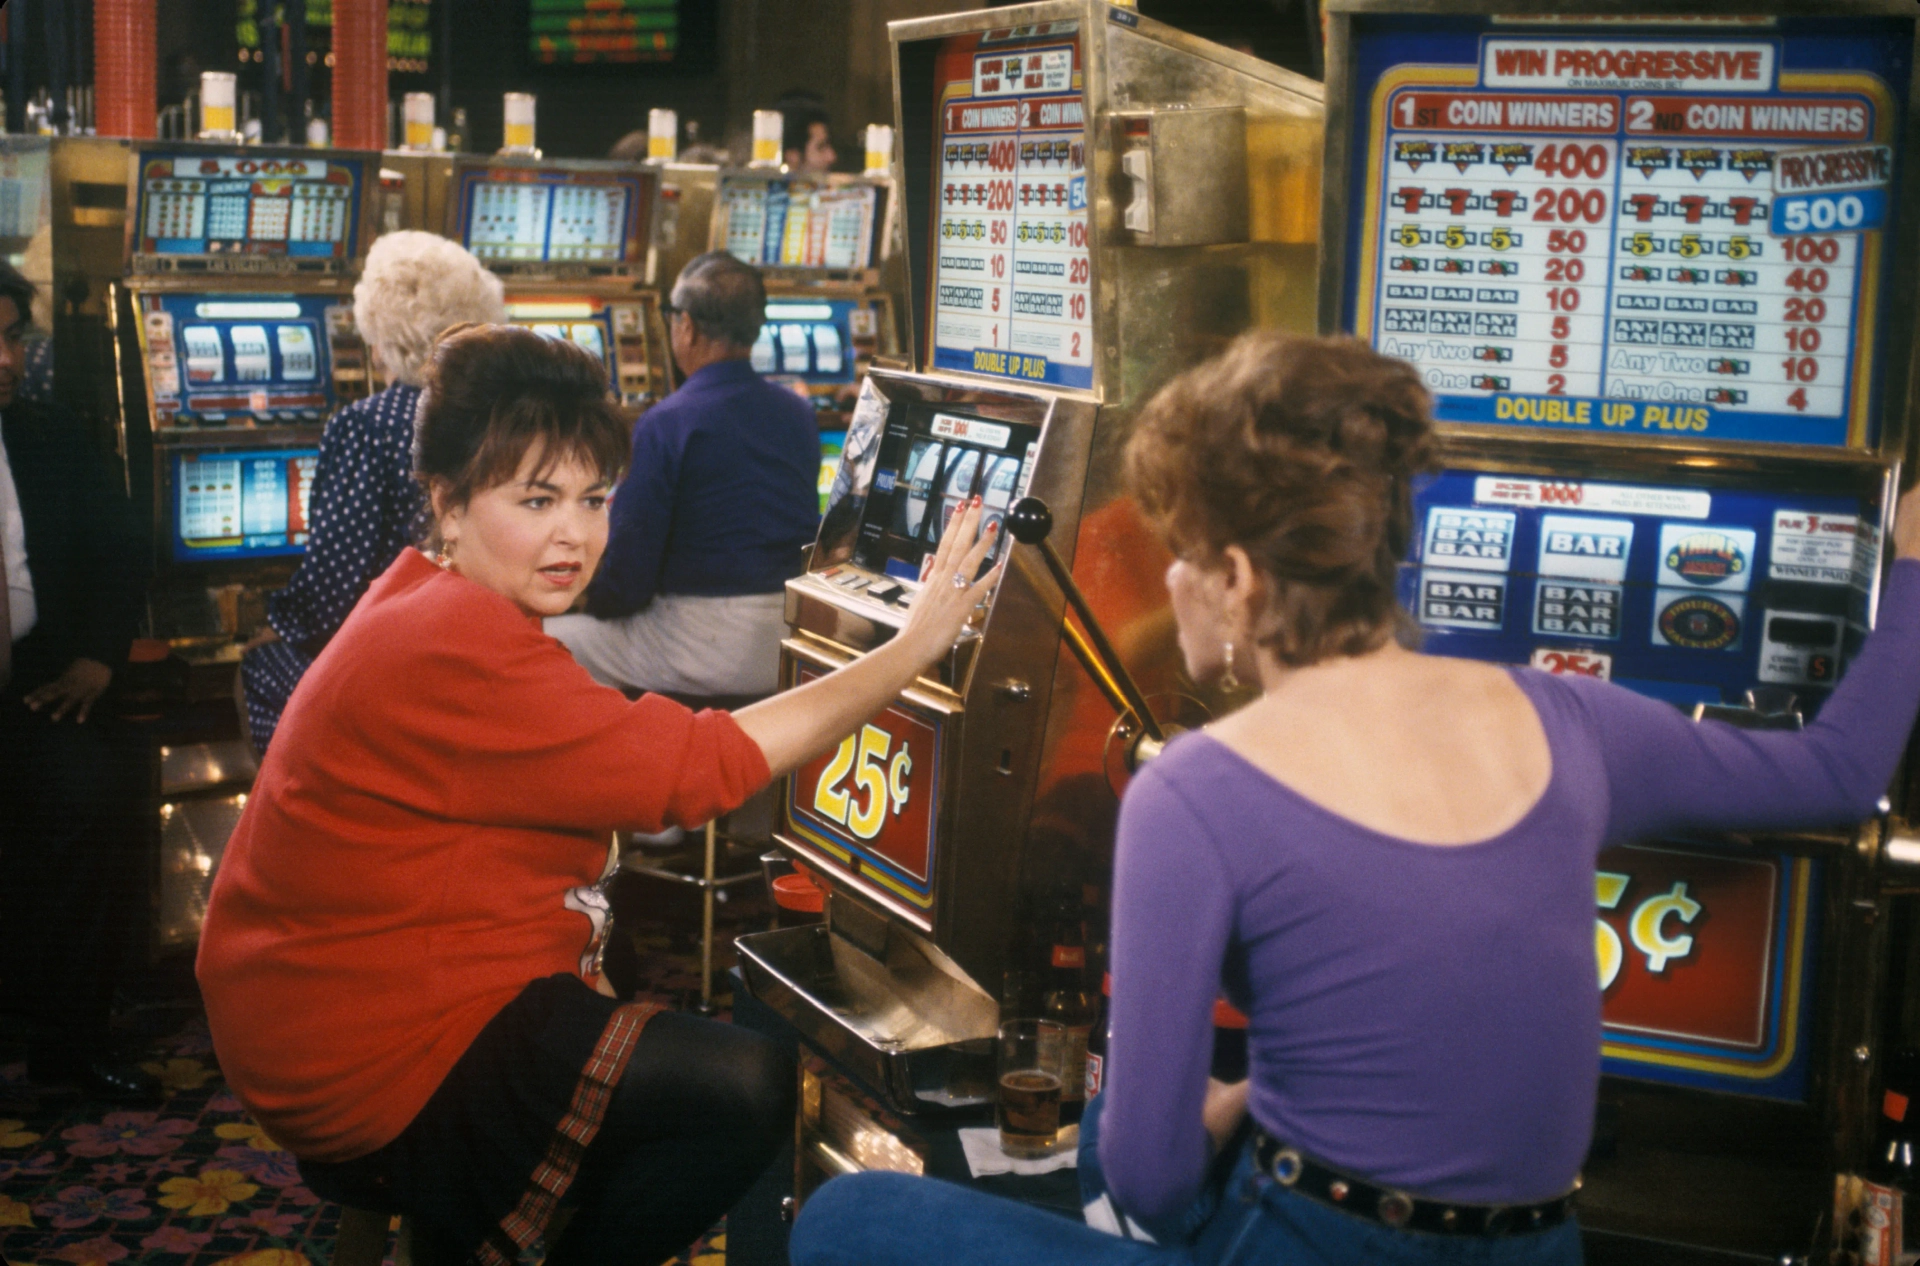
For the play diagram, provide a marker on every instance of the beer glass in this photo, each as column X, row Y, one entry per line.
column 1027, row 1106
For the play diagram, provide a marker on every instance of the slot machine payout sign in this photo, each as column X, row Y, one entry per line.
column 1009, row 255
column 1636, row 232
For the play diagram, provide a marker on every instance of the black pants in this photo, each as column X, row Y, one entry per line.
column 702, row 1109
column 76, row 862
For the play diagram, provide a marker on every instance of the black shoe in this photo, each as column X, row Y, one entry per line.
column 102, row 1077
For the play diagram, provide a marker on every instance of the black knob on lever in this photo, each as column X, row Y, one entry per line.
column 1030, row 521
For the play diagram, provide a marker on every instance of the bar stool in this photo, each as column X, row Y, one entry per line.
column 707, row 878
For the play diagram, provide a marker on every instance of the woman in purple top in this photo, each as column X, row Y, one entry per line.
column 1387, row 861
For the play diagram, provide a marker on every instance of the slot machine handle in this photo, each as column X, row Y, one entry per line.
column 1030, row 522
column 1902, row 850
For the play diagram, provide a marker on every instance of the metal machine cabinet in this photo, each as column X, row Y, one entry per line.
column 1039, row 324
column 1649, row 266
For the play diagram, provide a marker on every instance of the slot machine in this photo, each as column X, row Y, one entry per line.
column 821, row 246
column 570, row 239
column 1091, row 202
column 206, row 309
column 826, row 249
column 1648, row 268
column 236, row 343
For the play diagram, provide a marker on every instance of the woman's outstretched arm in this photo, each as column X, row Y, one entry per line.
column 796, row 725
column 1667, row 772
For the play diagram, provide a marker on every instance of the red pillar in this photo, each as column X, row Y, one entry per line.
column 125, row 67
column 360, row 74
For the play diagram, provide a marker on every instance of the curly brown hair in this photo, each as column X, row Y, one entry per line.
column 495, row 391
column 1302, row 452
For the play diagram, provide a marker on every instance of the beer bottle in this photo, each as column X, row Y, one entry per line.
column 1229, row 1043
column 1070, row 1003
column 1098, row 1039
column 1889, row 1226
column 1023, row 985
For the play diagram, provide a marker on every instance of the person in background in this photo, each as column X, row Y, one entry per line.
column 364, row 506
column 710, row 520
column 807, row 136
column 73, row 779
column 402, row 941
column 1386, row 860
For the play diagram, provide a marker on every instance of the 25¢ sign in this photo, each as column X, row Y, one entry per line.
column 879, row 782
column 869, row 804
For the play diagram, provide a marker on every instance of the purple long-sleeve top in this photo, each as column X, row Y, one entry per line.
column 1429, row 1017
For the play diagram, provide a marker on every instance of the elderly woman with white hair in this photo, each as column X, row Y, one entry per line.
column 365, row 504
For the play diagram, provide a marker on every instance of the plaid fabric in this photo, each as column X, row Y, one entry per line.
column 574, row 1133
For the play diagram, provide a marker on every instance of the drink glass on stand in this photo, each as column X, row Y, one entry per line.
column 1027, row 1106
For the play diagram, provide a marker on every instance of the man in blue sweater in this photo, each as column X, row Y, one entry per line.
column 710, row 519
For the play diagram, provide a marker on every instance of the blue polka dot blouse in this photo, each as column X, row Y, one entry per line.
column 364, row 508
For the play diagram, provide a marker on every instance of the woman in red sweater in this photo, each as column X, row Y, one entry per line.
column 395, row 955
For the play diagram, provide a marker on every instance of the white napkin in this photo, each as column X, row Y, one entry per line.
column 984, row 1156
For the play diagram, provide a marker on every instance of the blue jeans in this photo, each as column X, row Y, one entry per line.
column 879, row 1219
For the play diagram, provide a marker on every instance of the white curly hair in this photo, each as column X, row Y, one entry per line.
column 415, row 286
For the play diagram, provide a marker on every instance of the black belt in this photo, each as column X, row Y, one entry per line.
column 1363, row 1199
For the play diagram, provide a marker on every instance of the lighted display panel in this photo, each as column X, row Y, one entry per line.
column 543, row 215
column 221, row 204
column 799, row 224
column 1688, row 594
column 811, row 342
column 216, row 358
column 591, row 329
column 612, row 332
column 931, row 461
column 1651, row 233
column 1008, row 253
column 241, row 504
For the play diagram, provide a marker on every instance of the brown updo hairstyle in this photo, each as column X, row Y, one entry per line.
column 1302, row 452
column 495, row 391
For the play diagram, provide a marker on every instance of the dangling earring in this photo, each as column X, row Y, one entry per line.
column 443, row 557
column 1229, row 680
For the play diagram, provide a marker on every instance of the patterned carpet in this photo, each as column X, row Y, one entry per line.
column 197, row 1183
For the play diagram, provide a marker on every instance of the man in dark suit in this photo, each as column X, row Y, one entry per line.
column 73, row 865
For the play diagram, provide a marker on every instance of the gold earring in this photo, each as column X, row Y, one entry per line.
column 1229, row 680
column 443, row 557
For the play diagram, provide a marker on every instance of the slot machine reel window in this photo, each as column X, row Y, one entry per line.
column 550, row 216
column 241, row 504
column 932, row 461
column 1642, row 236
column 220, row 358
column 206, row 204
column 1688, row 594
column 583, row 322
column 809, row 342
column 1008, row 253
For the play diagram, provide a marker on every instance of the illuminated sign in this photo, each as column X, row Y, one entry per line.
column 1687, row 235
column 1703, row 965
column 865, row 810
column 1009, row 254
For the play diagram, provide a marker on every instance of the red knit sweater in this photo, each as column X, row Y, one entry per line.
column 443, row 776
